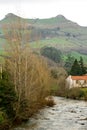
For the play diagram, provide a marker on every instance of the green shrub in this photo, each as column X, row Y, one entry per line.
column 7, row 96
column 52, row 53
column 83, row 93
column 73, row 93
column 1, row 117
column 77, row 93
column 4, row 124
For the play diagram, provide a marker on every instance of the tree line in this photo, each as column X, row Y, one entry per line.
column 78, row 67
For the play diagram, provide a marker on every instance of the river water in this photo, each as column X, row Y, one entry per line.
column 65, row 115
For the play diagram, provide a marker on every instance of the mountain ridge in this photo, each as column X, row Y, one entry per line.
column 56, row 31
column 59, row 16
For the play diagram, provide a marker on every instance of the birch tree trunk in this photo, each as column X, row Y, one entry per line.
column 29, row 73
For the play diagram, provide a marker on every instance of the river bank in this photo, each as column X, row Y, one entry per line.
column 67, row 114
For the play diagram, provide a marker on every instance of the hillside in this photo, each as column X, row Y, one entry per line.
column 57, row 31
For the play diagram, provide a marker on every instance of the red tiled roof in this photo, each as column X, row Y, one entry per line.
column 84, row 77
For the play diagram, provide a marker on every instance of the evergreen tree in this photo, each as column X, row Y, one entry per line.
column 83, row 69
column 69, row 62
column 76, row 69
column 8, row 96
column 52, row 53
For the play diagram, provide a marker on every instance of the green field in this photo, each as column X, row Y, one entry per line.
column 62, row 44
column 55, row 42
column 76, row 55
column 65, row 45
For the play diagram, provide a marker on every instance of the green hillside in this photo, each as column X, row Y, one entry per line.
column 57, row 32
column 61, row 43
column 66, row 46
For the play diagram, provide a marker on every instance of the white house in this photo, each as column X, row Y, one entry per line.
column 76, row 81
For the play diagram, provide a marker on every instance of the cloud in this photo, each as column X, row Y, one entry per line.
column 7, row 1
column 71, row 9
column 26, row 1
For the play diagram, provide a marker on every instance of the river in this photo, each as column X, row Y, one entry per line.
column 65, row 115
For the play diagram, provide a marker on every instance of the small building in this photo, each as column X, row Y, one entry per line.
column 76, row 81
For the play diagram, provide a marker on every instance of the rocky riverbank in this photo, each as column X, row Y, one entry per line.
column 65, row 115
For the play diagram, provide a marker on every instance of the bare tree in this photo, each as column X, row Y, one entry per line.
column 29, row 72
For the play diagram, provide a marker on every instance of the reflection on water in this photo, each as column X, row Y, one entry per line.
column 65, row 115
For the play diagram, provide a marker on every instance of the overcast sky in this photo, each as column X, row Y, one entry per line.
column 75, row 10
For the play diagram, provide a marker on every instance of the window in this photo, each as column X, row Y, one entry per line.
column 77, row 81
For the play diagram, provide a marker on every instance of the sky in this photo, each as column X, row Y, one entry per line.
column 74, row 10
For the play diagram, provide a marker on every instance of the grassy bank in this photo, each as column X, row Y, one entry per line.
column 77, row 93
column 73, row 93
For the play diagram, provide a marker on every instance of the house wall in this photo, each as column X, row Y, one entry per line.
column 75, row 83
column 69, row 82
